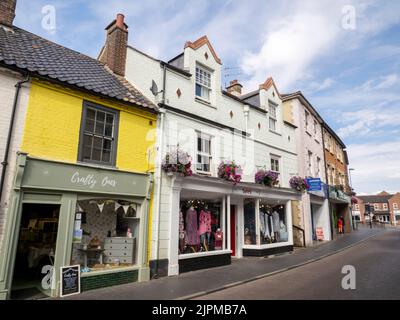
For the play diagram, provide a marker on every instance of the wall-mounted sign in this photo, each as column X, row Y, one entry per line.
column 70, row 280
column 314, row 184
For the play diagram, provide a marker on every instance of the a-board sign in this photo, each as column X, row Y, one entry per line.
column 70, row 280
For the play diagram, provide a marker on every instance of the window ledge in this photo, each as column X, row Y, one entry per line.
column 275, row 132
column 205, row 102
column 317, row 141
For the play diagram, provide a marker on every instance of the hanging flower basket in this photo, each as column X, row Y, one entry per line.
column 267, row 178
column 298, row 183
column 177, row 162
column 354, row 200
column 230, row 171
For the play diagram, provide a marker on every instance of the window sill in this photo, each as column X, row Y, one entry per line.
column 275, row 132
column 205, row 102
column 317, row 141
column 308, row 133
column 97, row 165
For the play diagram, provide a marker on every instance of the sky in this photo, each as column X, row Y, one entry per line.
column 344, row 55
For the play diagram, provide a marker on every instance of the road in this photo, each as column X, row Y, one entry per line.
column 377, row 272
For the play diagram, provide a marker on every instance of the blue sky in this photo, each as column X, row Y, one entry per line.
column 352, row 76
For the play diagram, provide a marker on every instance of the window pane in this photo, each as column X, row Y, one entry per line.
column 99, row 127
column 90, row 113
column 86, row 153
column 96, row 154
column 89, row 125
column 272, row 124
column 249, row 222
column 108, row 130
column 205, row 93
column 198, row 90
column 106, row 156
column 87, row 140
column 107, row 144
column 100, row 116
column 110, row 119
column 198, row 144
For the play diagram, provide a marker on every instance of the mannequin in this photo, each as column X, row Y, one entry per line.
column 218, row 239
column 191, row 227
column 275, row 220
column 283, row 232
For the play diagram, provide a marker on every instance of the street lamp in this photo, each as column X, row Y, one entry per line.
column 351, row 189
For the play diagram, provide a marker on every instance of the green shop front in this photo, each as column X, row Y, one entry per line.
column 62, row 215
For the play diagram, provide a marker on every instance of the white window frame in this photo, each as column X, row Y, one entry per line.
column 385, row 206
column 376, row 207
column 273, row 116
column 276, row 158
column 395, row 206
column 318, row 167
column 203, row 154
column 357, row 207
column 205, row 84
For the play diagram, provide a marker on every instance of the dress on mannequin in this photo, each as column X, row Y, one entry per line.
column 275, row 218
column 191, row 227
column 205, row 228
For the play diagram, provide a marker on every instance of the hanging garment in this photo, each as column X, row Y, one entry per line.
column 262, row 223
column 275, row 218
column 204, row 222
column 191, row 227
column 267, row 226
column 182, row 236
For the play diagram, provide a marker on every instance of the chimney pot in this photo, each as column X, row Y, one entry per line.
column 120, row 21
column 235, row 88
column 7, row 12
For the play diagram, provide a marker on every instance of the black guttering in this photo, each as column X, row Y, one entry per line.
column 177, row 57
column 226, row 93
column 10, row 131
column 173, row 68
column 75, row 87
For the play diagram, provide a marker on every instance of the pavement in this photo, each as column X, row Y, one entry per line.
column 198, row 283
column 374, row 265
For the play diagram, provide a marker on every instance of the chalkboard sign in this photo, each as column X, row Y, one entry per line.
column 70, row 280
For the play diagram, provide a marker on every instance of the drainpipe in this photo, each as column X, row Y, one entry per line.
column 326, row 178
column 4, row 164
column 159, row 178
column 246, row 110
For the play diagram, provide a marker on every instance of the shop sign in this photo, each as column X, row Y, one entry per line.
column 70, row 280
column 314, row 184
column 319, row 233
column 61, row 176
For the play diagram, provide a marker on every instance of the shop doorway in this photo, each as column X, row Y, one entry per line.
column 36, row 250
column 233, row 230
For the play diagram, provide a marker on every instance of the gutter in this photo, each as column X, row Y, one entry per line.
column 4, row 163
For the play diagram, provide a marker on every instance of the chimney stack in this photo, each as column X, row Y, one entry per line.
column 114, row 51
column 7, row 12
column 235, row 88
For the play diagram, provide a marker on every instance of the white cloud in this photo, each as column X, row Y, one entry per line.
column 365, row 121
column 320, row 86
column 377, row 166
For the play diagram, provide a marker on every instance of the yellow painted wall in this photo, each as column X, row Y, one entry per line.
column 53, row 123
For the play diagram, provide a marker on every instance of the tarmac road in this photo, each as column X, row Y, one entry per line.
column 377, row 276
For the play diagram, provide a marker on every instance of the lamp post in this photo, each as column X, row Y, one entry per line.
column 351, row 189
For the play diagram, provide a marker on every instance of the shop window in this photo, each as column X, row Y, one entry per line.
column 98, row 134
column 200, row 226
column 273, row 226
column 250, row 222
column 105, row 234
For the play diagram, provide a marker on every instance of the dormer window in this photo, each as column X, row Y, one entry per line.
column 203, row 83
column 272, row 117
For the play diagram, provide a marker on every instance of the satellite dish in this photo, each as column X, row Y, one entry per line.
column 154, row 88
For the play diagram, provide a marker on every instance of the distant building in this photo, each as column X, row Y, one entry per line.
column 386, row 208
